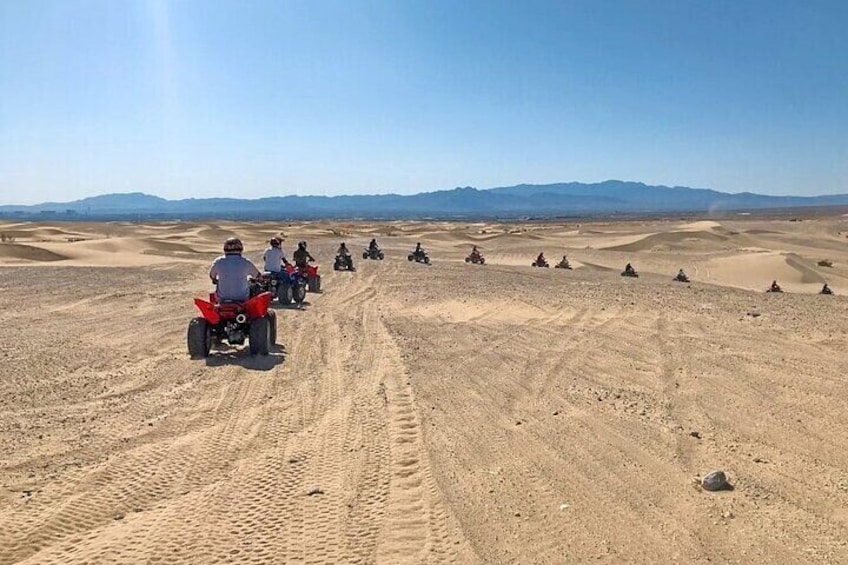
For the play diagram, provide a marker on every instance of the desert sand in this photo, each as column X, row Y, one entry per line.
column 444, row 414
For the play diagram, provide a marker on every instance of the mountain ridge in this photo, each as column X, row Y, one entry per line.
column 522, row 200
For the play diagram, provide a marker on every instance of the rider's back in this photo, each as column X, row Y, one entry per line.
column 231, row 273
column 274, row 259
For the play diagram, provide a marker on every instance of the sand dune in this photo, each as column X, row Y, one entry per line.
column 446, row 414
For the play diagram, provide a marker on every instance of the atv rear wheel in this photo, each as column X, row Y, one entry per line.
column 259, row 338
column 299, row 293
column 199, row 338
column 272, row 321
column 315, row 283
column 284, row 294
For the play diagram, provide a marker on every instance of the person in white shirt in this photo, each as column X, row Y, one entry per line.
column 275, row 257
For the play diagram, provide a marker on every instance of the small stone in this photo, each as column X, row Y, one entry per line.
column 695, row 434
column 728, row 515
column 556, row 412
column 714, row 481
column 759, row 460
column 517, row 514
column 314, row 490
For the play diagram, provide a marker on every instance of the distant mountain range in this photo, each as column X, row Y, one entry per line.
column 525, row 200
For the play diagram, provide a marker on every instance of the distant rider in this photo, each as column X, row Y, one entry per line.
column 275, row 257
column 681, row 276
column 419, row 252
column 231, row 272
column 629, row 269
column 342, row 250
column 540, row 260
column 775, row 287
column 826, row 290
column 372, row 246
column 302, row 256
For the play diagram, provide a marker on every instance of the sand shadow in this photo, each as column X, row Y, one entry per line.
column 229, row 355
column 293, row 306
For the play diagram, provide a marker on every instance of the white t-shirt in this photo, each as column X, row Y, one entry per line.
column 274, row 259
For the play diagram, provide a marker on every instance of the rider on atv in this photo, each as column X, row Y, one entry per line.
column 681, row 276
column 475, row 253
column 419, row 251
column 302, row 256
column 564, row 263
column 275, row 257
column 343, row 250
column 231, row 272
column 372, row 246
column 629, row 269
column 775, row 287
column 825, row 290
column 540, row 260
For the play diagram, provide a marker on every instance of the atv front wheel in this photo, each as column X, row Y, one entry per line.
column 410, row 257
column 199, row 338
column 381, row 256
column 259, row 338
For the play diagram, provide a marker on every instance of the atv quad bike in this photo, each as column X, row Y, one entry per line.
column 233, row 322
column 538, row 263
column 376, row 253
column 313, row 279
column 681, row 278
column 343, row 263
column 476, row 258
column 419, row 257
column 776, row 289
column 631, row 273
column 564, row 264
column 292, row 287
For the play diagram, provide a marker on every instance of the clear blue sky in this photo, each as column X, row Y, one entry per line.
column 207, row 98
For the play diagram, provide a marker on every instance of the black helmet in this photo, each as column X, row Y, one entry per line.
column 301, row 245
column 343, row 244
column 233, row 245
column 276, row 242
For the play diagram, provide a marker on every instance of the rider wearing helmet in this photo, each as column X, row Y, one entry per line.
column 274, row 256
column 373, row 244
column 540, row 260
column 343, row 250
column 231, row 271
column 302, row 256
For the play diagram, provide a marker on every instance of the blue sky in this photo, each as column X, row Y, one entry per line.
column 208, row 98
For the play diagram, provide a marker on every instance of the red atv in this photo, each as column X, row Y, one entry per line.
column 313, row 279
column 233, row 321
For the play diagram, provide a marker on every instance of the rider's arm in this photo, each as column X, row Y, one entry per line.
column 252, row 270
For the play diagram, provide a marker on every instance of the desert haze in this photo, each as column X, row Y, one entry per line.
column 450, row 413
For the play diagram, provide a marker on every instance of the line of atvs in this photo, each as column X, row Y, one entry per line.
column 251, row 320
